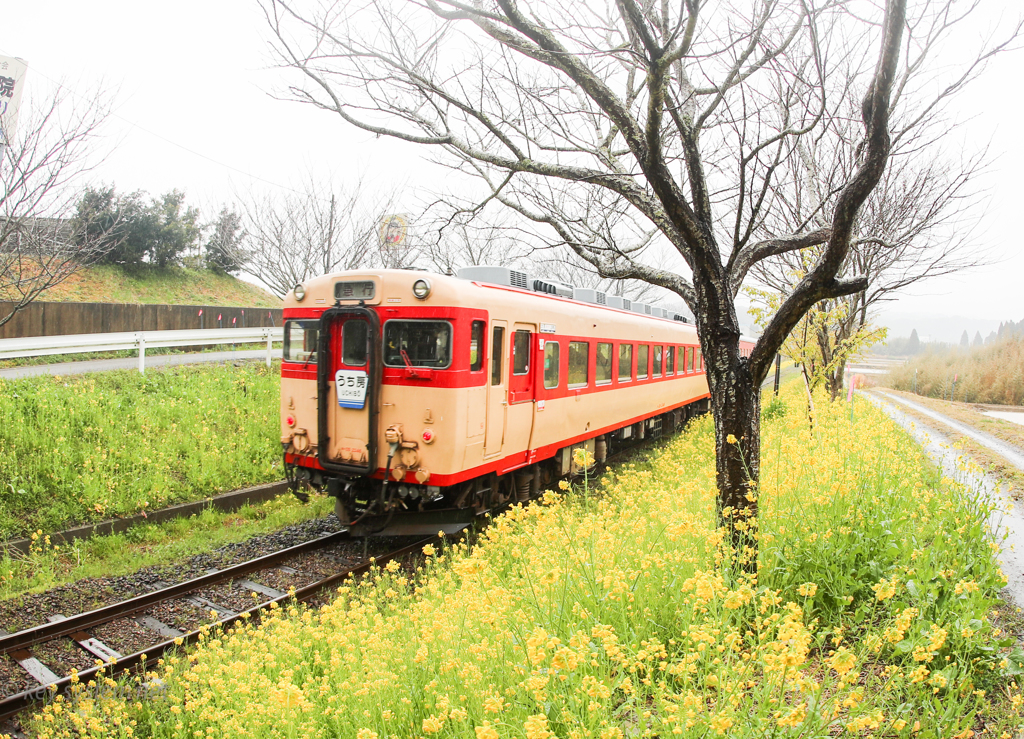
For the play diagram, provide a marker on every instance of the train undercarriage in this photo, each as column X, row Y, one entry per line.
column 383, row 507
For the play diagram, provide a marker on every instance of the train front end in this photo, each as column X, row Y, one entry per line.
column 374, row 363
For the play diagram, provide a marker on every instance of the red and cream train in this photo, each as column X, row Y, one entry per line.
column 422, row 400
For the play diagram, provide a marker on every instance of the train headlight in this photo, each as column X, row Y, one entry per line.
column 421, row 288
column 290, row 420
column 428, row 436
column 299, row 292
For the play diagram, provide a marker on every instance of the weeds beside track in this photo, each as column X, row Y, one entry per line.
column 86, row 448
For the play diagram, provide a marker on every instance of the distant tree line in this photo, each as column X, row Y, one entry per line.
column 143, row 231
column 912, row 345
column 990, row 373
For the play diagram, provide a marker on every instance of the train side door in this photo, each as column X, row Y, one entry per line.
column 497, row 389
column 349, row 377
column 521, row 390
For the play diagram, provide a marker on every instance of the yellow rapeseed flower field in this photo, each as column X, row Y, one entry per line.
column 621, row 613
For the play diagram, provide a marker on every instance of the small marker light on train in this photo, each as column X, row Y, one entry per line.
column 421, row 288
column 428, row 436
column 300, row 292
column 290, row 420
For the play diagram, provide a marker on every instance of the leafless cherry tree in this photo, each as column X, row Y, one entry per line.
column 647, row 137
column 292, row 237
column 42, row 243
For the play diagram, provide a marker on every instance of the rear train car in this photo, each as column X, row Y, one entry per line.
column 421, row 401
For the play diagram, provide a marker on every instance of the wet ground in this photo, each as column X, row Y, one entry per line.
column 1009, row 521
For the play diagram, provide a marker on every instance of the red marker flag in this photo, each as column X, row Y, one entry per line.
column 200, row 311
column 218, row 316
column 234, row 319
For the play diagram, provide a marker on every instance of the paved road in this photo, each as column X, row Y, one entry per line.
column 1009, row 519
column 158, row 360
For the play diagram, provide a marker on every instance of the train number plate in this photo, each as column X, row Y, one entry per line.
column 351, row 386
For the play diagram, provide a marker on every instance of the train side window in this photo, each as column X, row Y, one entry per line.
column 642, row 368
column 521, row 353
column 625, row 362
column 699, row 359
column 550, row 365
column 300, row 339
column 689, row 359
column 417, row 343
column 657, row 361
column 354, row 342
column 579, row 358
column 604, row 364
column 670, row 358
column 476, row 346
column 497, row 353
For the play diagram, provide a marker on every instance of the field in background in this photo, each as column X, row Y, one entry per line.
column 993, row 373
column 93, row 447
column 171, row 286
column 618, row 612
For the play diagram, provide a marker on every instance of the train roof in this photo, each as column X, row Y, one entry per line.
column 501, row 277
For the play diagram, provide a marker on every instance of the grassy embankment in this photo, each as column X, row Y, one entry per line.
column 170, row 286
column 617, row 612
column 993, row 373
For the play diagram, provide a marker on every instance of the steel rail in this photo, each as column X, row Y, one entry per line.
column 84, row 621
column 18, row 702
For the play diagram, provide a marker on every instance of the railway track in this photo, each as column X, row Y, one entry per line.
column 80, row 630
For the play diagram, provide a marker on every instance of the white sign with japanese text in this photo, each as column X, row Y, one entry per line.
column 351, row 386
column 12, row 82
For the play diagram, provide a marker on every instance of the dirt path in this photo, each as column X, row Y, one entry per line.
column 938, row 444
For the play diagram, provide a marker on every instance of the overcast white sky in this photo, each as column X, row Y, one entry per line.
column 195, row 112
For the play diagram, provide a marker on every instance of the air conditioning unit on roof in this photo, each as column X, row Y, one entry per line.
column 552, row 287
column 495, row 276
column 586, row 295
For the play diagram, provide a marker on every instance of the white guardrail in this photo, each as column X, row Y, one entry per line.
column 38, row 346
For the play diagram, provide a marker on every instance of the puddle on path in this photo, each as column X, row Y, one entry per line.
column 1011, row 416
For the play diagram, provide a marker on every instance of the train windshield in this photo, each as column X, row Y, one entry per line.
column 300, row 339
column 417, row 343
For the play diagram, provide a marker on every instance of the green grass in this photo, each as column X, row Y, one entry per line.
column 92, row 447
column 148, row 544
column 620, row 612
column 170, row 286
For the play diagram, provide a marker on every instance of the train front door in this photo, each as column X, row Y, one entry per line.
column 521, row 391
column 349, row 376
column 497, row 390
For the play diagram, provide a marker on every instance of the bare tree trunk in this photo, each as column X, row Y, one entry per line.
column 736, row 407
